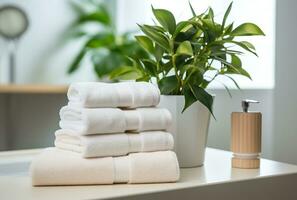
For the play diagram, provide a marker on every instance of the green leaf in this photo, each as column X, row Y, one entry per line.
column 150, row 66
column 76, row 33
column 144, row 78
column 125, row 73
column 106, row 62
column 186, row 68
column 228, row 91
column 101, row 16
column 233, row 70
column 185, row 34
column 247, row 29
column 166, row 19
column 180, row 60
column 211, row 30
column 205, row 83
column 156, row 36
column 158, row 28
column 235, row 61
column 168, row 84
column 226, row 15
column 189, row 98
column 185, row 48
column 228, row 29
column 181, row 26
column 193, row 74
column 248, row 44
column 166, row 67
column 237, row 70
column 203, row 97
column 158, row 53
column 146, row 43
column 75, row 64
column 192, row 10
column 130, row 48
column 235, row 83
column 100, row 40
column 211, row 26
column 210, row 14
column 242, row 45
column 135, row 63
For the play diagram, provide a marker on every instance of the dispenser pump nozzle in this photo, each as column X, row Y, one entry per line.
column 246, row 103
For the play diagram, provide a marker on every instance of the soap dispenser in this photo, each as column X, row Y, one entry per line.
column 246, row 137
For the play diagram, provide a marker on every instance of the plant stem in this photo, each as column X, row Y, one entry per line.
column 158, row 78
column 176, row 74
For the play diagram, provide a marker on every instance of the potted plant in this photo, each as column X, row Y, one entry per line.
column 104, row 47
column 185, row 58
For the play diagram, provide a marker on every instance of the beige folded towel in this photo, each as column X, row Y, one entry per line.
column 113, row 144
column 87, row 121
column 60, row 167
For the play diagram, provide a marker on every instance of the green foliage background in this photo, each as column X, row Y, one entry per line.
column 106, row 49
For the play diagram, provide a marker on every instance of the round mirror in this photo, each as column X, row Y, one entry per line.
column 13, row 22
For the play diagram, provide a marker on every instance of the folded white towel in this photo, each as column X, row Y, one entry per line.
column 124, row 94
column 86, row 121
column 113, row 144
column 59, row 167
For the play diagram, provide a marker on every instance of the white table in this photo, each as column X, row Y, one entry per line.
column 215, row 180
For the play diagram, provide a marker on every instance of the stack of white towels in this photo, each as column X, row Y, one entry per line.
column 110, row 133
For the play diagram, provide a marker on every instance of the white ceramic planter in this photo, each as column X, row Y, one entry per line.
column 189, row 129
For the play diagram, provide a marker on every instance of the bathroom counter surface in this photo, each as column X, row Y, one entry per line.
column 214, row 176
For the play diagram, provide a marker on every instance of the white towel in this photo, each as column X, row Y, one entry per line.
column 86, row 121
column 124, row 94
column 113, row 144
column 59, row 167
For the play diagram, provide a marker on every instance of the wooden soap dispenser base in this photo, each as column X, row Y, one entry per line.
column 246, row 137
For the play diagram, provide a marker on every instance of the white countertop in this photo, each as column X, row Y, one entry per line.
column 15, row 181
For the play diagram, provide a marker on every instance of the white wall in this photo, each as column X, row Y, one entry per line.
column 285, row 96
